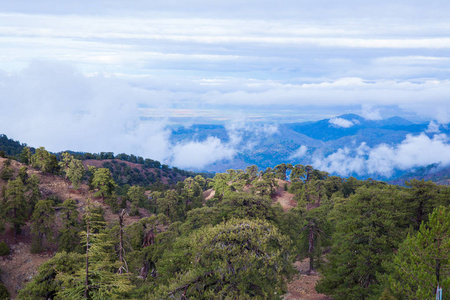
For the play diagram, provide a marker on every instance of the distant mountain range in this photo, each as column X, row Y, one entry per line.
column 304, row 143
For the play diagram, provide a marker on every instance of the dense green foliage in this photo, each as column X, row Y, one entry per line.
column 369, row 240
column 4, row 248
column 4, row 294
column 11, row 147
column 42, row 222
column 423, row 259
column 72, row 168
column 45, row 161
column 237, row 259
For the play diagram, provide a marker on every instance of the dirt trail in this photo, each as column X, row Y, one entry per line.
column 283, row 197
column 303, row 285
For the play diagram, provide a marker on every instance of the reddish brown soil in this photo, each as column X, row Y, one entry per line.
column 208, row 194
column 283, row 197
column 20, row 265
column 303, row 285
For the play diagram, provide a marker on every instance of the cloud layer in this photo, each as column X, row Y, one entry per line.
column 414, row 151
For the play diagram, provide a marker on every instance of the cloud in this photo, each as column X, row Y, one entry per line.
column 299, row 153
column 370, row 113
column 433, row 127
column 197, row 155
column 414, row 151
column 340, row 122
column 246, row 135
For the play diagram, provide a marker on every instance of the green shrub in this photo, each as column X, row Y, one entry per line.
column 55, row 199
column 4, row 294
column 4, row 249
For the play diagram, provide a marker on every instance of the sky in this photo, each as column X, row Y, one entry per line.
column 113, row 75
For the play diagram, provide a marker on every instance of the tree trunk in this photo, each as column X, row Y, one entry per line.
column 311, row 249
column 121, row 248
column 86, row 283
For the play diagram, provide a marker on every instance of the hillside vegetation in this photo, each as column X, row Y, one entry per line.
column 240, row 235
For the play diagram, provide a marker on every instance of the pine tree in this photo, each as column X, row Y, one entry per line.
column 25, row 156
column 72, row 168
column 103, row 181
column 238, row 259
column 42, row 222
column 15, row 204
column 168, row 205
column 137, row 199
column 7, row 171
column 313, row 235
column 99, row 278
column 23, row 175
column 367, row 230
column 423, row 259
column 45, row 161
column 34, row 193
column 69, row 239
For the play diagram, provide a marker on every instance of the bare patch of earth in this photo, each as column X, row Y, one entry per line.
column 303, row 285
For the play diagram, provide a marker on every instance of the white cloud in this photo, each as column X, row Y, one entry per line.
column 197, row 155
column 299, row 153
column 370, row 113
column 340, row 122
column 433, row 127
column 246, row 135
column 414, row 151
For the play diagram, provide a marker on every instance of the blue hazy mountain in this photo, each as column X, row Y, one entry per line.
column 322, row 137
column 325, row 130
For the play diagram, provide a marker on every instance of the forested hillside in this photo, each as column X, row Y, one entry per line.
column 237, row 235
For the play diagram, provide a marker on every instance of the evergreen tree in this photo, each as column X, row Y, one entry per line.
column 45, row 161
column 103, row 181
column 168, row 205
column 423, row 199
column 7, row 171
column 202, row 182
column 66, row 158
column 69, row 239
column 34, row 193
column 15, row 204
column 243, row 205
column 42, row 222
column 281, row 170
column 238, row 259
column 220, row 185
column 298, row 173
column 313, row 235
column 72, row 168
column 192, row 192
column 23, row 175
column 147, row 241
column 25, row 156
column 423, row 260
column 137, row 199
column 368, row 228
column 99, row 277
column 252, row 172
